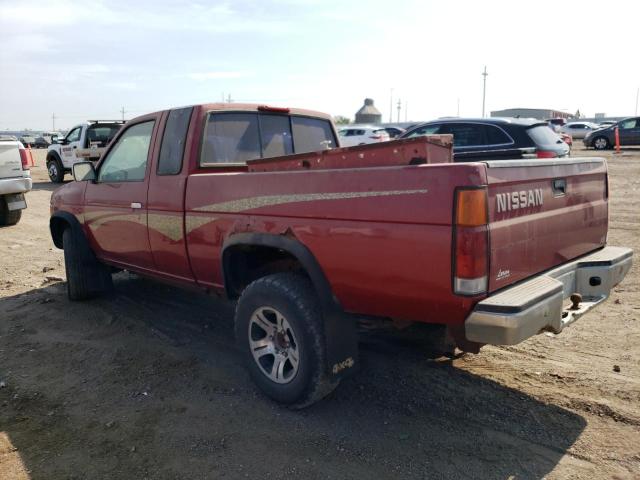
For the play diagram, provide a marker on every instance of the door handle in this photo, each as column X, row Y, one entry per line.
column 136, row 205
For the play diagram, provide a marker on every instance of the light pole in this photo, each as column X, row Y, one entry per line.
column 637, row 94
column 391, row 106
column 484, row 88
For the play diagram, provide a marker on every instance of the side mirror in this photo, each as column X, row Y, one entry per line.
column 84, row 171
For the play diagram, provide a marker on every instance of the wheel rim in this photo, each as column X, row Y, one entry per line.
column 600, row 143
column 273, row 345
column 53, row 171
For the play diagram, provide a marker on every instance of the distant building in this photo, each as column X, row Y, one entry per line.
column 368, row 113
column 538, row 113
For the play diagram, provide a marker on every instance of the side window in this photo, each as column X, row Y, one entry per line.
column 311, row 134
column 275, row 133
column 127, row 160
column 628, row 124
column 172, row 149
column 496, row 136
column 230, row 138
column 426, row 130
column 465, row 135
column 74, row 135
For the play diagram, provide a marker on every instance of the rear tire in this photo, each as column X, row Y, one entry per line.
column 280, row 333
column 55, row 170
column 601, row 143
column 8, row 217
column 86, row 277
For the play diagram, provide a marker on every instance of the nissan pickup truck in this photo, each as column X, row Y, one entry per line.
column 86, row 141
column 262, row 205
column 15, row 180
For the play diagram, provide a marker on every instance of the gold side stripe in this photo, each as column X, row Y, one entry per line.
column 271, row 200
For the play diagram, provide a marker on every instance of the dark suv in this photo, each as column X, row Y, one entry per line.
column 495, row 138
column 628, row 131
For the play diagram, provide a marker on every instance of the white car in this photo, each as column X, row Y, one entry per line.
column 579, row 129
column 15, row 180
column 362, row 135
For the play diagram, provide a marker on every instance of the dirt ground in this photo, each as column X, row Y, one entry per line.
column 146, row 384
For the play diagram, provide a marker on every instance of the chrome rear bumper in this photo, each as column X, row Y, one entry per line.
column 539, row 304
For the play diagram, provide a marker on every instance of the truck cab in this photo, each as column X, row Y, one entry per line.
column 85, row 141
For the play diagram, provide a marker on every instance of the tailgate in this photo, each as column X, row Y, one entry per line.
column 10, row 163
column 543, row 213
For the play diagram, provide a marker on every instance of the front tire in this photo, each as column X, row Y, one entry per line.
column 55, row 170
column 280, row 333
column 601, row 143
column 86, row 277
column 8, row 217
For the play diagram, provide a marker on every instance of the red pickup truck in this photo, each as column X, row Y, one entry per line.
column 253, row 201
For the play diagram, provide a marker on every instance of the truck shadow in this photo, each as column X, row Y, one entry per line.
column 146, row 383
column 48, row 186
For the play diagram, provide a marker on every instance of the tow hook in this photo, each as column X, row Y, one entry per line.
column 575, row 298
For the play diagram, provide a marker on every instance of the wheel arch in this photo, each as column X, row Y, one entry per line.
column 53, row 155
column 59, row 222
column 281, row 252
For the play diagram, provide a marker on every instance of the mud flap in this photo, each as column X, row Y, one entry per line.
column 342, row 344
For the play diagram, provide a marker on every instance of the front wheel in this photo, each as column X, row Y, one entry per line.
column 601, row 143
column 86, row 277
column 279, row 330
column 55, row 170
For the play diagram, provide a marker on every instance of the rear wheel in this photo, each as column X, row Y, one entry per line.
column 55, row 170
column 86, row 277
column 601, row 143
column 280, row 333
column 8, row 217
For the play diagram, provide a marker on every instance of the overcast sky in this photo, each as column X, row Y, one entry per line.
column 87, row 60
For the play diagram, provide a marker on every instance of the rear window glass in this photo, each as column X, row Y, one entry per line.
column 230, row 138
column 543, row 135
column 100, row 135
column 275, row 135
column 311, row 134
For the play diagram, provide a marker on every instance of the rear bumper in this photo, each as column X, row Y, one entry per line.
column 15, row 185
column 539, row 304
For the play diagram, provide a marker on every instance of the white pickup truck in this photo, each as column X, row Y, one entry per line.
column 15, row 180
column 84, row 142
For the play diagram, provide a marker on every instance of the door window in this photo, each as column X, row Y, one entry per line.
column 74, row 135
column 627, row 124
column 127, row 160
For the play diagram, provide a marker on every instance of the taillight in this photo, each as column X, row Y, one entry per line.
column 471, row 243
column 24, row 158
column 546, row 154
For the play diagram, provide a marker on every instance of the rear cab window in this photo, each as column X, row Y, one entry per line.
column 233, row 138
column 100, row 134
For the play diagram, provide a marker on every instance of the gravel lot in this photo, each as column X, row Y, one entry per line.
column 146, row 384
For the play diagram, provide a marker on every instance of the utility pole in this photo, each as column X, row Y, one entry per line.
column 637, row 95
column 399, row 108
column 484, row 88
column 391, row 106
column 406, row 109
column 458, row 114
column 229, row 98
column 53, row 120
column 122, row 111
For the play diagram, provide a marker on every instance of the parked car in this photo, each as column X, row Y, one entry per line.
column 362, row 135
column 85, row 141
column 15, row 180
column 579, row 129
column 556, row 122
column 243, row 200
column 495, row 138
column 628, row 130
column 566, row 138
column 27, row 140
column 394, row 132
column 40, row 142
